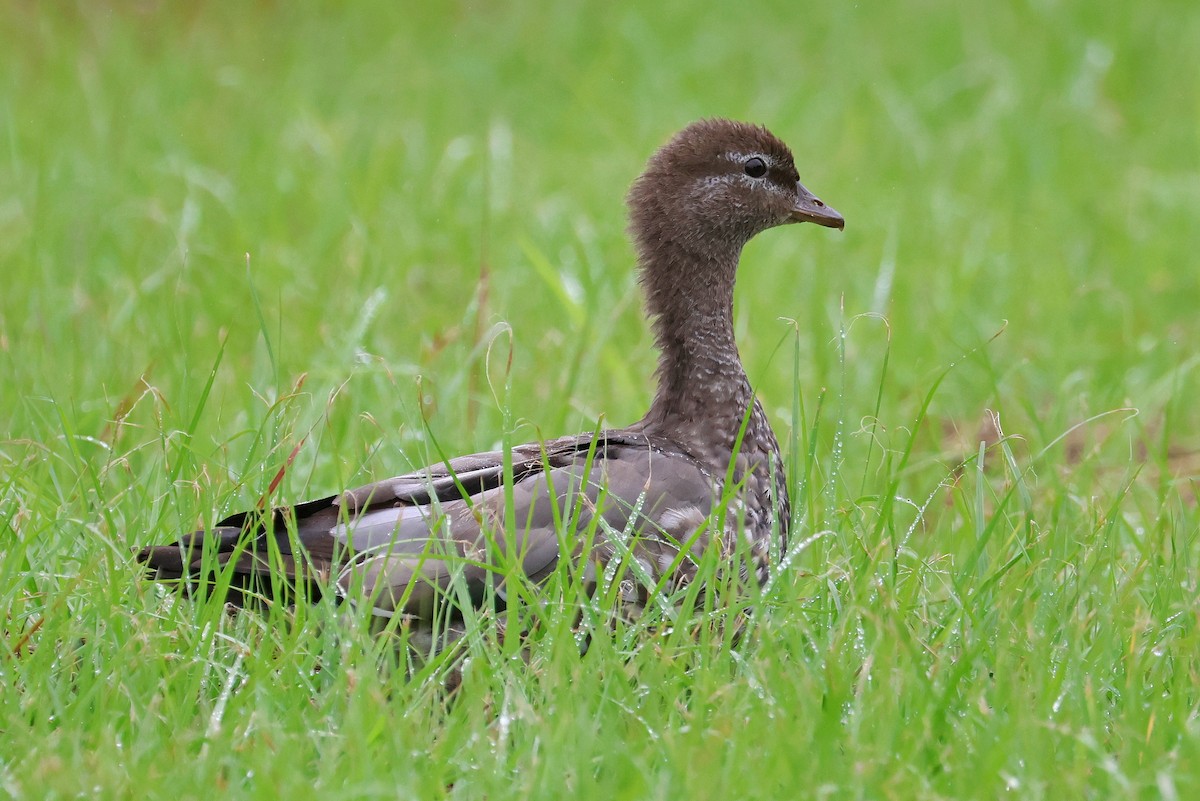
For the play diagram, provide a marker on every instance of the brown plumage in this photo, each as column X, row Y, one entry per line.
column 397, row 544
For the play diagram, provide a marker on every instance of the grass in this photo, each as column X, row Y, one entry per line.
column 229, row 231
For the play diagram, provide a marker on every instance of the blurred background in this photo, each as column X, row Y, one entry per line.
column 201, row 204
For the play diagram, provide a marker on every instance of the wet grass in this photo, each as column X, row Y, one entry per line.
column 229, row 232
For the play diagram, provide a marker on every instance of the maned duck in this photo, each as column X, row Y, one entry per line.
column 704, row 451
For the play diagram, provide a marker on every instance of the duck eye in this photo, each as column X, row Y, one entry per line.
column 755, row 167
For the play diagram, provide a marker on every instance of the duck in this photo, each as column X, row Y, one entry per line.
column 702, row 468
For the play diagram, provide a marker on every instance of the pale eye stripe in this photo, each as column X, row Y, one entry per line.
column 744, row 180
column 737, row 156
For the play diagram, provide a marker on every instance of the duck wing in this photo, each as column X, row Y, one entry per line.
column 400, row 543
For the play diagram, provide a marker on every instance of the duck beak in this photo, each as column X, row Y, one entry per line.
column 809, row 208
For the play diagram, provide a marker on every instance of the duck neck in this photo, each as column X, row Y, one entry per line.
column 703, row 393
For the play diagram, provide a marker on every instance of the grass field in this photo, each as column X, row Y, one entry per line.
column 228, row 230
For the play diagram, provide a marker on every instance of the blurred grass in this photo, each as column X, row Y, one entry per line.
column 227, row 228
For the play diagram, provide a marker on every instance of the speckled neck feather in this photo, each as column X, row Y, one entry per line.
column 688, row 245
